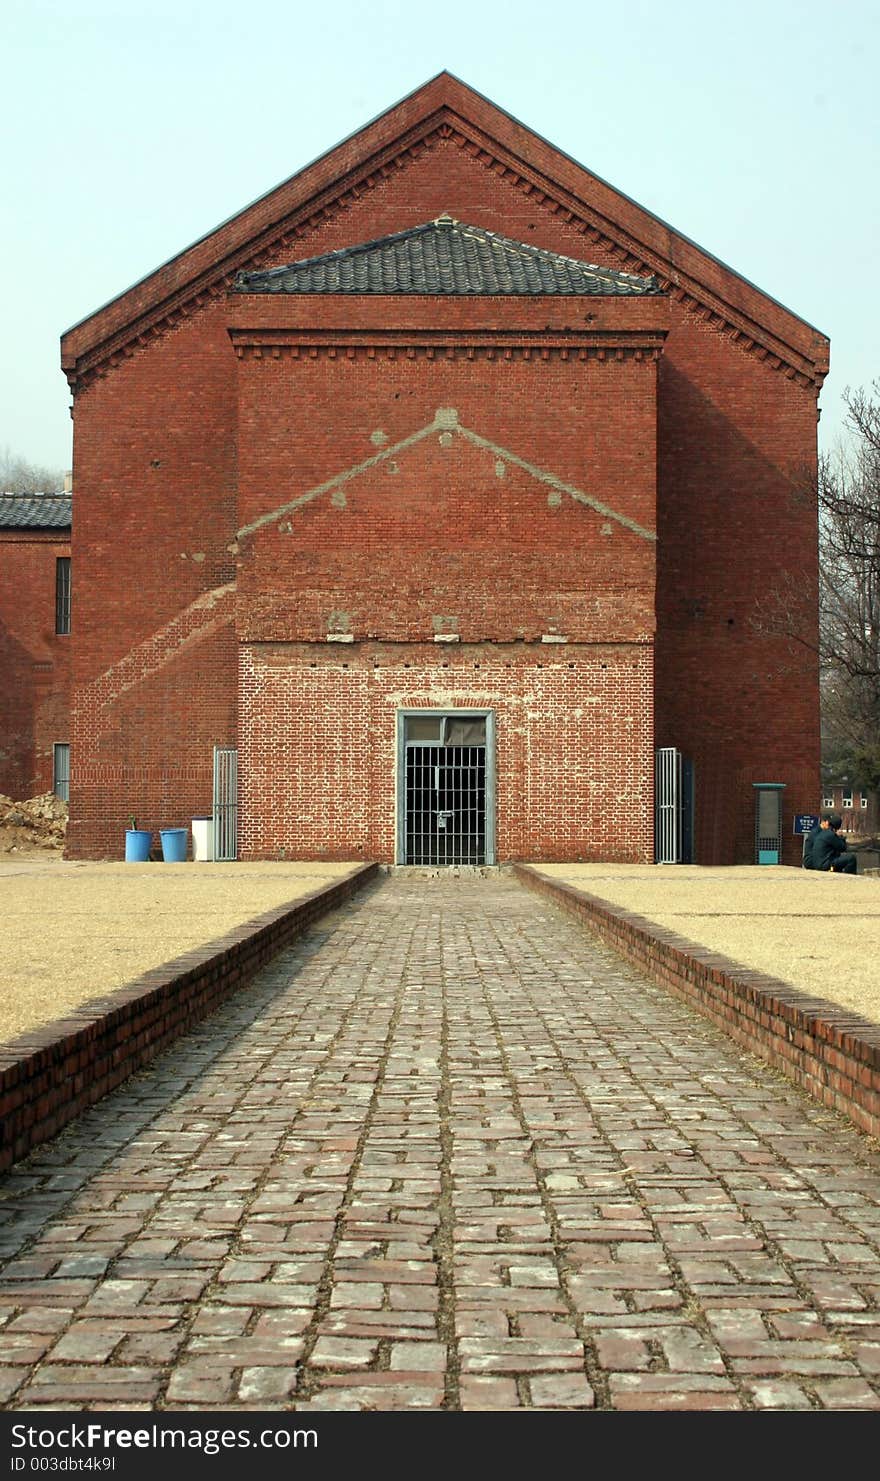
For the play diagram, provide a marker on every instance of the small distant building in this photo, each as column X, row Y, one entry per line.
column 35, row 626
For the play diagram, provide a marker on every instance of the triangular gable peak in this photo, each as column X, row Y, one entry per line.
column 445, row 109
column 447, row 425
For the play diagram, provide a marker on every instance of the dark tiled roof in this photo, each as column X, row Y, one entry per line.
column 35, row 511
column 445, row 256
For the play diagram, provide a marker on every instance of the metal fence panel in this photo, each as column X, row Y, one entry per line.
column 667, row 806
column 225, row 803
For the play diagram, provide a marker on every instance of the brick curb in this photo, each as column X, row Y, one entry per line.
column 828, row 1051
column 50, row 1075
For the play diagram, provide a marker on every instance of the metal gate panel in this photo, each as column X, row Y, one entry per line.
column 61, row 771
column 445, row 795
column 445, row 804
column 225, row 803
column 667, row 806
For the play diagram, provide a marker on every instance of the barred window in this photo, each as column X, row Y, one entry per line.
column 62, row 594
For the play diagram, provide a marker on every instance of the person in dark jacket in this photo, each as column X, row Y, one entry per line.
column 810, row 840
column 830, row 851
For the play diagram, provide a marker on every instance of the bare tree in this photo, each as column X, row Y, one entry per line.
column 849, row 593
column 18, row 476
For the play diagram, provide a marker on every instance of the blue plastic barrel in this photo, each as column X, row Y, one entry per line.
column 138, row 842
column 174, row 841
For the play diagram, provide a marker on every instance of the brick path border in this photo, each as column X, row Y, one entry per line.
column 50, row 1075
column 827, row 1050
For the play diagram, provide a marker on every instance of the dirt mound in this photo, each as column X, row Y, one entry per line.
column 32, row 826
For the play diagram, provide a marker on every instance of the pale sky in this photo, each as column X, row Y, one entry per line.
column 133, row 127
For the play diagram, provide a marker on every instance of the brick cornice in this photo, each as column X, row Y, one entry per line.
column 446, row 113
column 447, row 347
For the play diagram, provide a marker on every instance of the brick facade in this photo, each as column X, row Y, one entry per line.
column 34, row 661
column 298, row 515
column 573, row 752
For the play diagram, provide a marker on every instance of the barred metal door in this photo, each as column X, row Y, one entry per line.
column 225, row 803
column 445, row 789
column 667, row 806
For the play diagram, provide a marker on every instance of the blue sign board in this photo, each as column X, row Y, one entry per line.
column 804, row 821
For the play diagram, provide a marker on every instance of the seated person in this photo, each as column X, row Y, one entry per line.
column 810, row 839
column 830, row 851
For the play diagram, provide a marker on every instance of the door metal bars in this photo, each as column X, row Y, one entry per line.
column 225, row 803
column 445, row 791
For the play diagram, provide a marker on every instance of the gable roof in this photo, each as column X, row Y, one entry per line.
column 35, row 511
column 446, row 109
column 445, row 256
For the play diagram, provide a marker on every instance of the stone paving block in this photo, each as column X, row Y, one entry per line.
column 40, row 1319
column 11, row 1378
column 778, row 1393
column 377, row 1324
column 222, row 1320
column 113, row 1296
column 157, row 1349
column 83, row 1343
column 622, row 1353
column 665, row 1300
column 627, row 1385
column 355, row 1296
column 206, row 1382
column 846, row 1393
column 478, row 1392
column 867, row 1355
column 412, row 1298
column 344, row 1352
column 377, row 1391
column 92, row 1384
column 266, row 1294
column 259, row 1384
column 562, row 1391
column 520, row 1355
column 423, row 1356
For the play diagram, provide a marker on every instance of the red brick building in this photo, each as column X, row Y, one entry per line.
column 35, row 622
column 445, row 484
column 858, row 807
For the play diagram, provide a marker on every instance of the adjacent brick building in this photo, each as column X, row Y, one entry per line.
column 858, row 807
column 445, row 484
column 35, row 623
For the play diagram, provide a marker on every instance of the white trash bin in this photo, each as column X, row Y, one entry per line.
column 203, row 840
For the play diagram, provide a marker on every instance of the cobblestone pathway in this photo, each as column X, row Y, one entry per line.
column 446, row 1153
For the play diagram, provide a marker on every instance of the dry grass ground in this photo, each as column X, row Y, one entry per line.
column 819, row 932
column 73, row 931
